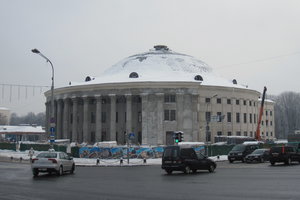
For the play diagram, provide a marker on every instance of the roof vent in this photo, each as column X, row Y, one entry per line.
column 234, row 81
column 133, row 75
column 88, row 78
column 161, row 47
column 198, row 78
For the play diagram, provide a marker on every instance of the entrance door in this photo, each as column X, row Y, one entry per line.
column 169, row 138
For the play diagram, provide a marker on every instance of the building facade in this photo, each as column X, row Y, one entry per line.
column 151, row 95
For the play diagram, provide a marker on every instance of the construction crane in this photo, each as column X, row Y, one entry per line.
column 257, row 136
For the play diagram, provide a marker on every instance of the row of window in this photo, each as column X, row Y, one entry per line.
column 238, row 133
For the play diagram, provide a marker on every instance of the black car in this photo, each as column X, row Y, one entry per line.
column 258, row 155
column 176, row 158
column 240, row 151
column 286, row 154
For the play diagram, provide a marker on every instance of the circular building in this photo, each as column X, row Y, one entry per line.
column 151, row 95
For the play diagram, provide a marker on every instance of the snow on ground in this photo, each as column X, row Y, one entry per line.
column 93, row 161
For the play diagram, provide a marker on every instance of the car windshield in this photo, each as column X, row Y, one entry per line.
column 258, row 151
column 239, row 147
column 47, row 155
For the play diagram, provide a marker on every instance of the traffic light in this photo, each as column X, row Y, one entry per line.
column 176, row 137
column 180, row 136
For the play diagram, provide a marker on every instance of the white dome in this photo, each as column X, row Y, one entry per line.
column 160, row 65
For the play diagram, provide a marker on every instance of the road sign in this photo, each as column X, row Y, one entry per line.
column 52, row 129
column 131, row 136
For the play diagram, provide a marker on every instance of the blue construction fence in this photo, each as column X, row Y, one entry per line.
column 132, row 152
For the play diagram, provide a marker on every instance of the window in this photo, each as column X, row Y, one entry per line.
column 238, row 133
column 229, row 117
column 267, row 134
column 250, row 103
column 219, row 101
column 245, row 133
column 133, row 75
column 228, row 101
column 237, row 102
column 103, row 117
column 254, row 119
column 207, row 100
column 271, row 123
column 266, row 113
column 262, row 122
column 245, row 117
column 250, row 118
column 219, row 114
column 237, row 117
column 198, row 78
column 229, row 133
column 219, row 133
column 271, row 133
column 207, row 116
column 245, row 102
column 93, row 118
column 139, row 117
column 271, row 113
column 170, row 98
column 117, row 117
column 170, row 115
column 125, row 117
column 251, row 134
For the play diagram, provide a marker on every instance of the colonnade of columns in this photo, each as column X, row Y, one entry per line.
column 73, row 117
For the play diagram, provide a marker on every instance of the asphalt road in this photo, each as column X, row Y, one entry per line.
column 229, row 182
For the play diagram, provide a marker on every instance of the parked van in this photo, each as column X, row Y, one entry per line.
column 186, row 159
column 240, row 151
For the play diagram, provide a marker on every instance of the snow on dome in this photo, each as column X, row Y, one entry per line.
column 160, row 64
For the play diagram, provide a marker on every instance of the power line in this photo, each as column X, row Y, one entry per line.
column 258, row 60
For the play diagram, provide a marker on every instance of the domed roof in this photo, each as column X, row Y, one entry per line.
column 160, row 64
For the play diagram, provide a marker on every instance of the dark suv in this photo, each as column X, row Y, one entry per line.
column 240, row 151
column 286, row 154
column 176, row 158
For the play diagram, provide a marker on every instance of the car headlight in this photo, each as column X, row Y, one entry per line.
column 240, row 154
column 256, row 156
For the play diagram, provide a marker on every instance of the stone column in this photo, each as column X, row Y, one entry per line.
column 195, row 121
column 144, row 118
column 59, row 119
column 74, row 123
column 112, row 117
column 86, row 134
column 160, row 119
column 66, row 119
column 129, row 113
column 98, row 134
column 179, row 111
column 47, row 122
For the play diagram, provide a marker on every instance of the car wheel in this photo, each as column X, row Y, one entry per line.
column 211, row 168
column 187, row 170
column 73, row 169
column 272, row 163
column 288, row 162
column 60, row 171
column 231, row 161
column 243, row 160
column 169, row 171
column 35, row 172
column 194, row 170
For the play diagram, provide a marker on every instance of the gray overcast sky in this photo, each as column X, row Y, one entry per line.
column 85, row 37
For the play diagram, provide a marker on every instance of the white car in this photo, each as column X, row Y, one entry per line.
column 52, row 161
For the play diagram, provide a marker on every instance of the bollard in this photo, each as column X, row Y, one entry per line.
column 218, row 157
column 121, row 161
column 11, row 158
column 98, row 161
column 144, row 160
column 21, row 159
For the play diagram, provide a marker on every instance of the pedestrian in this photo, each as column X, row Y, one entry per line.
column 31, row 153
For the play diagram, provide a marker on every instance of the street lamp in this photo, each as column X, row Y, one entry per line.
column 52, row 120
column 207, row 123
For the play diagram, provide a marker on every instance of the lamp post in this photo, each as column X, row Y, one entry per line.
column 52, row 120
column 207, row 123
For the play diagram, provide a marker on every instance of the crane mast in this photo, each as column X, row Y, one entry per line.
column 257, row 135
